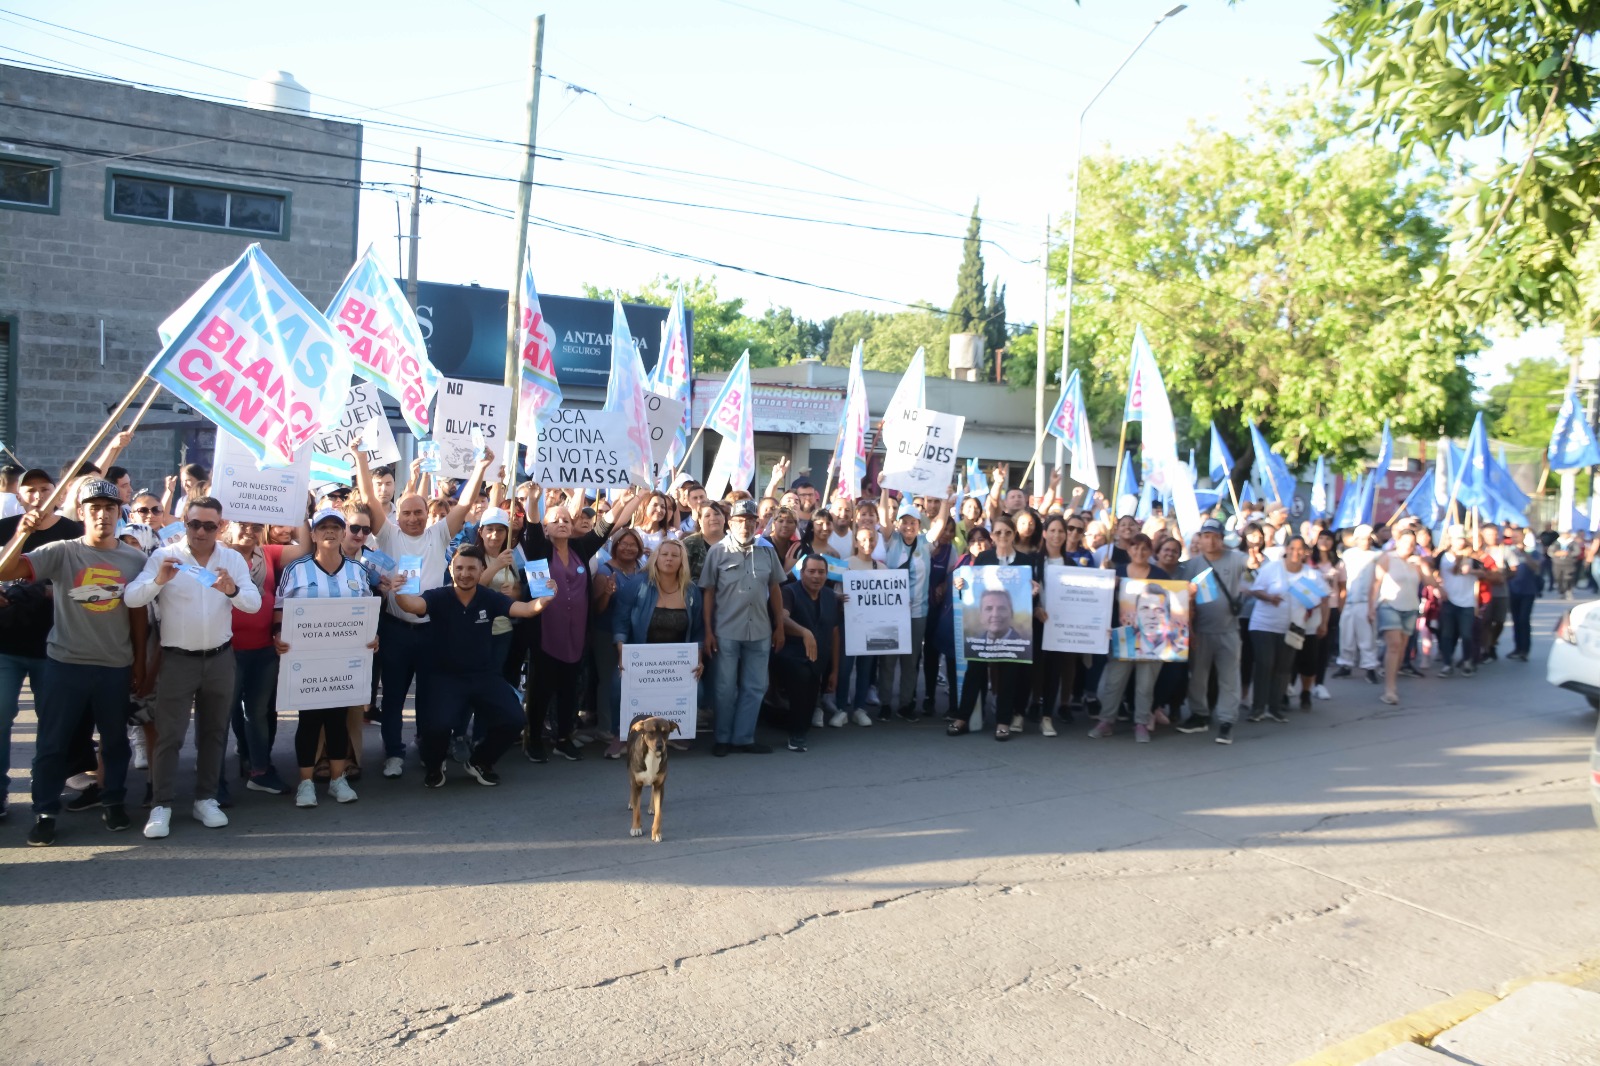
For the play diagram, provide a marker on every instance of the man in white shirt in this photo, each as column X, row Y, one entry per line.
column 1358, row 645
column 416, row 547
column 1458, row 570
column 199, row 582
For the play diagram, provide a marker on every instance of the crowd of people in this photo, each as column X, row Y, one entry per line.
column 132, row 612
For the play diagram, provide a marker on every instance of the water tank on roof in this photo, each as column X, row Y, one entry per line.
column 279, row 91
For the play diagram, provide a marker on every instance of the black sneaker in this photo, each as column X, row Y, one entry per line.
column 1257, row 716
column 1305, row 702
column 1343, row 671
column 88, row 799
column 481, row 775
column 1410, row 671
column 797, row 743
column 927, row 706
column 753, row 749
column 1467, row 669
column 908, row 713
column 1517, row 657
column 568, row 750
column 116, row 817
column 1225, row 733
column 1195, row 723
column 433, row 778
column 535, row 753
column 720, row 749
column 43, row 833
column 1274, row 716
column 1372, row 677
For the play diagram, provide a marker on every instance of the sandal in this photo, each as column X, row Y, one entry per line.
column 1002, row 732
column 957, row 727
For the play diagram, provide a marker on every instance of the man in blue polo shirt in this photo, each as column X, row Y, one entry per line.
column 458, row 673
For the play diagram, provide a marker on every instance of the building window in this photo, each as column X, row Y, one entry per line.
column 28, row 184
column 147, row 198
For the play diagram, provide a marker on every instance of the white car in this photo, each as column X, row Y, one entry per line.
column 1575, row 653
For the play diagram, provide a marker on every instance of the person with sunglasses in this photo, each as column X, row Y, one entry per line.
column 1011, row 681
column 200, row 583
column 1056, row 672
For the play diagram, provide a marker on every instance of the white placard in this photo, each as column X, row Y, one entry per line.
column 328, row 663
column 658, row 679
column 248, row 494
column 1078, row 602
column 362, row 416
column 877, row 612
column 581, row 449
column 461, row 407
column 313, row 681
column 921, row 449
column 666, row 415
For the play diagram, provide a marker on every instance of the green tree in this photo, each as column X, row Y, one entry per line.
column 722, row 331
column 1507, row 75
column 967, row 313
column 1277, row 275
column 1522, row 410
column 995, row 332
column 889, row 340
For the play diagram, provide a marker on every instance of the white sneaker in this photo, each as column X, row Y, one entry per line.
column 393, row 766
column 340, row 790
column 159, row 824
column 816, row 718
column 1018, row 723
column 208, row 814
column 141, row 755
column 1294, row 687
column 861, row 717
column 872, row 696
column 839, row 720
column 1321, row 692
column 1048, row 728
column 828, row 705
column 305, row 794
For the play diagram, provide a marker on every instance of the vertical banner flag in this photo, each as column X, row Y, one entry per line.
column 977, row 480
column 259, row 360
column 672, row 378
column 537, row 391
column 1572, row 443
column 1069, row 424
column 733, row 416
column 1130, row 484
column 1319, row 490
column 853, row 440
column 1348, row 516
column 1419, row 501
column 912, row 392
column 1221, row 458
column 373, row 316
column 1133, row 408
column 625, row 394
column 1379, row 471
column 1471, row 485
column 1166, row 471
column 1441, row 481
column 1274, row 475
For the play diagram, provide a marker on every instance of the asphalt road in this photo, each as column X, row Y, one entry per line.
column 892, row 896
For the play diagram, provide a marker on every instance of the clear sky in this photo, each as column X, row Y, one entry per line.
column 876, row 113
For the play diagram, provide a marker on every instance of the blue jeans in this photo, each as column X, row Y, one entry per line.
column 255, row 680
column 71, row 691
column 1456, row 624
column 400, row 648
column 13, row 669
column 854, row 698
column 741, row 682
column 1521, row 622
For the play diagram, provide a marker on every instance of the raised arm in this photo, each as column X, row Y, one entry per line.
column 364, row 483
column 413, row 604
column 458, row 514
column 114, row 447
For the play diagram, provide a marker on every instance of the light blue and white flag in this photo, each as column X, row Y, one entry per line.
column 625, row 389
column 733, row 416
column 1572, row 442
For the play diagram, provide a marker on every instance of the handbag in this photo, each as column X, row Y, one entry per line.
column 1296, row 637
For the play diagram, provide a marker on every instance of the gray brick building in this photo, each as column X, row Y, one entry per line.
column 116, row 203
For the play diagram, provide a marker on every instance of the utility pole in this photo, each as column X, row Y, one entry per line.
column 1041, row 368
column 399, row 238
column 416, row 218
column 524, row 194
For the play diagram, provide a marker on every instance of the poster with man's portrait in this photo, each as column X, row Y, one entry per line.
column 996, row 613
column 1154, row 620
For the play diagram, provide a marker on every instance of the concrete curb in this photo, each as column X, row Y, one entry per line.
column 1421, row 1026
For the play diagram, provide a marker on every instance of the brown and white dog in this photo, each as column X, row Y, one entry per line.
column 647, row 765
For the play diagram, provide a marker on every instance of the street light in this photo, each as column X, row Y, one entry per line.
column 1072, row 243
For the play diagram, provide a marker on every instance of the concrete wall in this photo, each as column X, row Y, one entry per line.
column 62, row 274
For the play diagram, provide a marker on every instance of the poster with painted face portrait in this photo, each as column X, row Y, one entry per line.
column 1153, row 617
column 996, row 614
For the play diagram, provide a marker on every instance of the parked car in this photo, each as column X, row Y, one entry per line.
column 1575, row 666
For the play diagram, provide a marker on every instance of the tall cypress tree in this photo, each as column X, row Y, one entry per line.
column 994, row 318
column 967, row 313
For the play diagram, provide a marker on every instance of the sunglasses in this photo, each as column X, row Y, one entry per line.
column 147, row 510
column 1075, row 529
column 359, row 531
column 195, row 526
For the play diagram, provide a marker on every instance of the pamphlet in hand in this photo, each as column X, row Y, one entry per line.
column 428, row 454
column 385, row 564
column 411, row 570
column 171, row 532
column 199, row 573
column 538, row 571
column 480, row 446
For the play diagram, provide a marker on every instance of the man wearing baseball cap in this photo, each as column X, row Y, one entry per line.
column 94, row 655
column 1214, row 634
column 744, row 624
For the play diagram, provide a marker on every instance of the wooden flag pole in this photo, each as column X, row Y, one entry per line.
column 688, row 452
column 1038, row 446
column 54, row 500
column 1116, row 479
